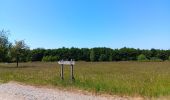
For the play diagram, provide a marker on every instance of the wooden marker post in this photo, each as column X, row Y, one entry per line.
column 72, row 70
column 62, row 72
column 71, row 63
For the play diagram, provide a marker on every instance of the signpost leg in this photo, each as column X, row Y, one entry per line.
column 72, row 73
column 62, row 72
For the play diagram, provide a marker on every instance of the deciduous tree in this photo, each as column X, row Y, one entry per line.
column 19, row 49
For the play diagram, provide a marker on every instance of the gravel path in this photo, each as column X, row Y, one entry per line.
column 15, row 91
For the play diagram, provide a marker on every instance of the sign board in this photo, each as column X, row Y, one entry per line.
column 71, row 63
column 66, row 62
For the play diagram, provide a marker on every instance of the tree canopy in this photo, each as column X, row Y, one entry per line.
column 20, row 52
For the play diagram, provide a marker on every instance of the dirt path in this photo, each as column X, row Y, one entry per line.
column 15, row 91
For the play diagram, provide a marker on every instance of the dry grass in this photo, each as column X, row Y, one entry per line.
column 149, row 79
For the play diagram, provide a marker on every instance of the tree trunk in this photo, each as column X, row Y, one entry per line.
column 17, row 60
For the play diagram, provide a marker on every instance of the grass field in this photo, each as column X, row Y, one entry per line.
column 150, row 79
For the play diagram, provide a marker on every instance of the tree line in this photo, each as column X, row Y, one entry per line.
column 99, row 54
column 20, row 52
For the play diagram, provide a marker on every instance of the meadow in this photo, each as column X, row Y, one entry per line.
column 151, row 79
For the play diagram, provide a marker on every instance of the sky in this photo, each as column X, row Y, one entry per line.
column 143, row 24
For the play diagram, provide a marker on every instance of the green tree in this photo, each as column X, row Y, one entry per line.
column 92, row 55
column 85, row 54
column 162, row 55
column 37, row 54
column 19, row 50
column 103, row 57
column 50, row 58
column 153, row 52
column 128, row 54
column 4, row 45
column 142, row 57
column 110, row 57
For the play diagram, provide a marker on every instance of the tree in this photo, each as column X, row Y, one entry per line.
column 4, row 45
column 115, row 55
column 72, row 52
column 103, row 57
column 92, row 55
column 37, row 54
column 147, row 53
column 50, row 58
column 162, row 55
column 127, row 54
column 153, row 52
column 19, row 50
column 85, row 54
column 142, row 57
column 110, row 57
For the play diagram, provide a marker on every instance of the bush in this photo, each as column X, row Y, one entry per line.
column 156, row 59
column 103, row 57
column 142, row 57
column 50, row 58
column 169, row 58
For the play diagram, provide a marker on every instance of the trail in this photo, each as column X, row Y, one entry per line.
column 15, row 91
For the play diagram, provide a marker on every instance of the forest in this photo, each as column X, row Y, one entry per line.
column 20, row 52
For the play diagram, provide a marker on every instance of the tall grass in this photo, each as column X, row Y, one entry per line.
column 121, row 78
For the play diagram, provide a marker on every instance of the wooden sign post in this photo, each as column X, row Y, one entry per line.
column 72, row 70
column 62, row 72
column 71, row 63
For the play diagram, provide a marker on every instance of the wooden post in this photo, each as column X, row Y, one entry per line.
column 72, row 71
column 17, row 60
column 62, row 72
column 71, row 63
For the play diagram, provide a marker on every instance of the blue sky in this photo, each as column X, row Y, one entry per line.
column 141, row 24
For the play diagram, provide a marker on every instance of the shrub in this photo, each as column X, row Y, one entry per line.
column 50, row 58
column 103, row 57
column 45, row 58
column 142, row 57
column 156, row 59
column 92, row 55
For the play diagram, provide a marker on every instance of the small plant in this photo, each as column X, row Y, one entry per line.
column 142, row 57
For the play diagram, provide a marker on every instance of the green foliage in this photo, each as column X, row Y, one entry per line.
column 110, row 57
column 4, row 46
column 85, row 54
column 127, row 54
column 101, row 54
column 50, row 58
column 156, row 59
column 142, row 57
column 20, row 52
column 37, row 54
column 4, row 38
column 92, row 55
column 103, row 57
column 162, row 54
